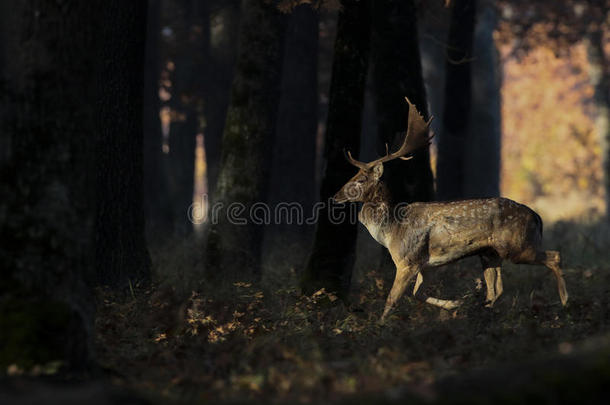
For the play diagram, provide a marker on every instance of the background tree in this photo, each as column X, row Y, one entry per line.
column 71, row 194
column 157, row 202
column 293, row 174
column 122, row 257
column 397, row 74
column 600, row 79
column 458, row 101
column 483, row 143
column 233, row 250
column 224, row 44
column 47, row 307
column 332, row 258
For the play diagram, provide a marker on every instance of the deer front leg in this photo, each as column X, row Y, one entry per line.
column 403, row 276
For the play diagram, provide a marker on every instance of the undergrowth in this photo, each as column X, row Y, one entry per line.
column 254, row 341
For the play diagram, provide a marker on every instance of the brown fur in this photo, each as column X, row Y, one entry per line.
column 420, row 236
column 426, row 235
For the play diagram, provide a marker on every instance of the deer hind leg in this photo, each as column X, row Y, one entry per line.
column 403, row 276
column 491, row 263
column 551, row 259
column 419, row 294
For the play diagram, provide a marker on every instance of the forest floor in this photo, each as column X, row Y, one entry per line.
column 266, row 341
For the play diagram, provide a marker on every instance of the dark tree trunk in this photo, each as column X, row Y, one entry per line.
column 122, row 256
column 398, row 74
column 433, row 25
column 71, row 181
column 234, row 251
column 294, row 154
column 600, row 79
column 157, row 204
column 482, row 149
column 456, row 115
column 47, row 206
column 331, row 261
column 223, row 53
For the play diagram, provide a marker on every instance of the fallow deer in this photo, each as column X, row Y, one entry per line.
column 422, row 235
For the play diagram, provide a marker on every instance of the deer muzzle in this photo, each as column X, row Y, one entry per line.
column 340, row 197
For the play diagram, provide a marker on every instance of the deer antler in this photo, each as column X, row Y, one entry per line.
column 416, row 137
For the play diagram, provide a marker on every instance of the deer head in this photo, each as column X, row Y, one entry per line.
column 369, row 174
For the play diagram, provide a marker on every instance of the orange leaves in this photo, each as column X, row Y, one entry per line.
column 550, row 148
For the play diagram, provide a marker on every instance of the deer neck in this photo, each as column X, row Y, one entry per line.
column 377, row 213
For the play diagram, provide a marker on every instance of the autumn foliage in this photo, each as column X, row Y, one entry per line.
column 551, row 156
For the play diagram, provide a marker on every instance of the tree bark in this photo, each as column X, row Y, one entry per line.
column 46, row 209
column 71, row 181
column 458, row 101
column 234, row 251
column 294, row 155
column 600, row 79
column 482, row 153
column 223, row 54
column 398, row 74
column 331, row 260
column 157, row 204
column 122, row 256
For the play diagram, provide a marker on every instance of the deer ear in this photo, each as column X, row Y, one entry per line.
column 378, row 171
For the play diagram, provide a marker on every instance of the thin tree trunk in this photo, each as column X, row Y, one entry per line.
column 600, row 79
column 458, row 95
column 223, row 54
column 294, row 156
column 482, row 151
column 234, row 251
column 332, row 258
column 122, row 256
column 157, row 204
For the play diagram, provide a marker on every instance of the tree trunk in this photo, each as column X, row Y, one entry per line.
column 398, row 74
column 46, row 207
column 71, row 181
column 122, row 256
column 456, row 116
column 234, row 251
column 331, row 261
column 294, row 155
column 157, row 204
column 600, row 79
column 482, row 151
column 223, row 53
